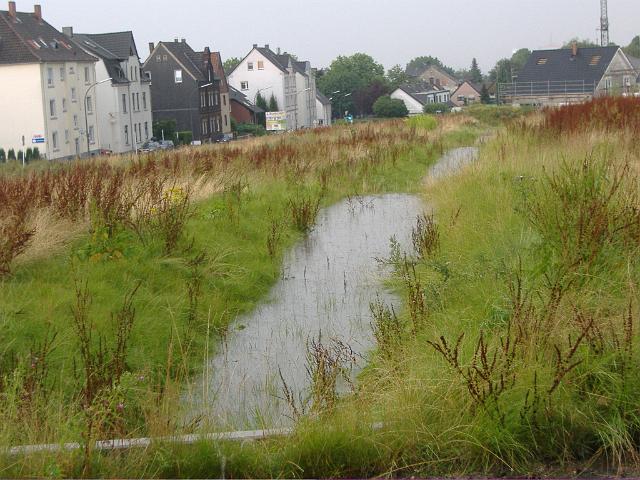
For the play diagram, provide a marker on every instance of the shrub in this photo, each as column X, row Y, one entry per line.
column 15, row 235
column 36, row 153
column 185, row 138
column 387, row 107
column 496, row 115
column 608, row 113
column 12, row 154
column 304, row 211
column 28, row 155
column 433, row 108
column 3, row 155
column 20, row 155
column 166, row 127
column 251, row 129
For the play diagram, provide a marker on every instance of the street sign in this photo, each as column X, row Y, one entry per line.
column 37, row 139
column 276, row 121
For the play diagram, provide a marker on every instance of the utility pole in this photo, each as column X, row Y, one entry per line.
column 604, row 23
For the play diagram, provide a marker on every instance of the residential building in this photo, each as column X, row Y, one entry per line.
column 417, row 94
column 291, row 82
column 323, row 110
column 124, row 103
column 466, row 94
column 46, row 83
column 242, row 110
column 436, row 76
column 184, row 88
column 218, row 69
column 571, row 75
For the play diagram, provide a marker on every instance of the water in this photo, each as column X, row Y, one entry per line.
column 327, row 285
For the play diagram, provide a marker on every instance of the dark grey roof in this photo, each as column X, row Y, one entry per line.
column 25, row 39
column 121, row 44
column 277, row 60
column 189, row 58
column 561, row 65
column 323, row 99
column 241, row 98
column 420, row 91
column 112, row 61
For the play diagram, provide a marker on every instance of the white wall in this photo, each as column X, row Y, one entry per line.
column 22, row 107
column 414, row 107
column 323, row 114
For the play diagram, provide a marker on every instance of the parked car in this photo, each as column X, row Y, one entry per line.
column 166, row 144
column 150, row 147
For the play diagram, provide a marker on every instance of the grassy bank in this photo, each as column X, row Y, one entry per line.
column 99, row 331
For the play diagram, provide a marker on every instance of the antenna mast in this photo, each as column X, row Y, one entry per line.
column 604, row 23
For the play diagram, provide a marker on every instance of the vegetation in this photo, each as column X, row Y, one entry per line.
column 419, row 64
column 254, row 129
column 164, row 129
column 475, row 75
column 387, row 107
column 230, row 64
column 633, row 48
column 433, row 108
column 273, row 104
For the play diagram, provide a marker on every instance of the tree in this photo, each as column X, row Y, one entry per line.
column 387, row 107
column 503, row 72
column 582, row 43
column 230, row 64
column 261, row 102
column 519, row 59
column 397, row 76
column 273, row 104
column 484, row 95
column 168, row 127
column 475, row 75
column 419, row 64
column 364, row 98
column 633, row 48
column 350, row 75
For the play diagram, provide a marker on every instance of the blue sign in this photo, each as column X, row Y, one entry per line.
column 37, row 139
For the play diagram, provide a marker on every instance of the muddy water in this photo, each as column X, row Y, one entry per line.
column 327, row 285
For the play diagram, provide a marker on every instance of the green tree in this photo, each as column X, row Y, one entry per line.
column 273, row 104
column 397, row 76
column 633, row 48
column 418, row 64
column 475, row 75
column 168, row 127
column 11, row 154
column 350, row 76
column 365, row 97
column 484, row 95
column 387, row 107
column 262, row 102
column 231, row 63
column 519, row 59
column 503, row 71
column 582, row 43
column 3, row 155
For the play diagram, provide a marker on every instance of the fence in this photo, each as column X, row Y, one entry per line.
column 529, row 91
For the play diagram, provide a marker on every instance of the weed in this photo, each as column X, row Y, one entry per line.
column 304, row 210
column 425, row 236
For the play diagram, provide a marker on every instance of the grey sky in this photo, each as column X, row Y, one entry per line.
column 392, row 31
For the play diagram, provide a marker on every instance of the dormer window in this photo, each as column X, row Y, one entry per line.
column 595, row 60
column 542, row 61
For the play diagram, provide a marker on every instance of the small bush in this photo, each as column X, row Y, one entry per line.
column 434, row 108
column 36, row 153
column 185, row 138
column 251, row 129
column 3, row 155
column 426, row 122
column 12, row 154
column 387, row 107
column 20, row 155
column 304, row 211
column 28, row 155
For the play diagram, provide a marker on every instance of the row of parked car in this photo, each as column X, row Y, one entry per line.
column 152, row 146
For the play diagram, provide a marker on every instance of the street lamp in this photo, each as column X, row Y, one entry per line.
column 86, row 116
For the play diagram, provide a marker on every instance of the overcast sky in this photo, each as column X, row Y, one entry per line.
column 392, row 31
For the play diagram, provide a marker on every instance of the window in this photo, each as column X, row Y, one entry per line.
column 608, row 83
column 75, row 121
column 164, row 58
column 158, row 58
column 50, row 77
column 91, row 138
column 224, row 100
column 133, row 102
column 144, row 100
column 217, row 99
column 210, row 98
column 260, row 65
column 52, row 108
column 203, row 99
column 146, row 130
column 212, row 126
column 87, row 75
column 627, row 81
column 250, row 66
column 542, row 61
column 54, row 140
column 74, row 97
column 225, row 120
column 62, row 72
column 72, row 71
column 177, row 76
column 64, row 104
column 89, row 104
column 138, row 100
column 595, row 60
column 244, row 86
column 204, row 127
column 126, row 134
column 124, row 103
column 66, row 136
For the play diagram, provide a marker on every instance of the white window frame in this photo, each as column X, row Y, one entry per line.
column 250, row 66
column 54, row 140
column 50, row 77
column 62, row 74
column 244, row 86
column 177, row 76
column 52, row 108
column 89, row 105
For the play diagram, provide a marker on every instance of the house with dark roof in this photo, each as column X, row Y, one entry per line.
column 436, row 76
column 570, row 75
column 323, row 110
column 289, row 81
column 184, row 88
column 467, row 93
column 417, row 94
column 47, row 88
column 124, row 102
column 242, row 110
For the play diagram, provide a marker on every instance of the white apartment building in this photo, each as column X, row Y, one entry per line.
column 124, row 102
column 323, row 110
column 46, row 83
column 291, row 82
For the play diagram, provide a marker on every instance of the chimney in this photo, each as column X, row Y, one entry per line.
column 278, row 49
column 266, row 46
column 184, row 40
column 68, row 31
column 37, row 12
column 176, row 40
column 438, row 82
column 255, row 45
column 574, row 49
column 12, row 9
column 152, row 47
